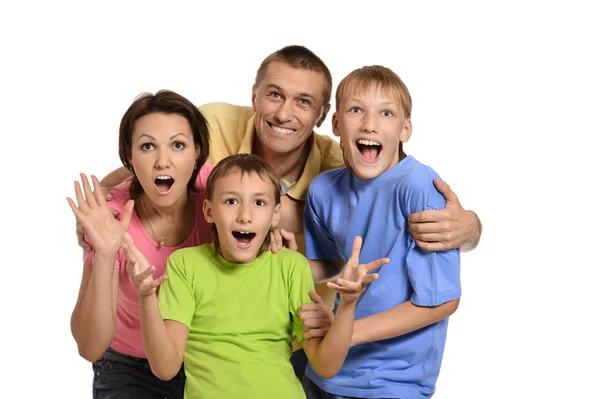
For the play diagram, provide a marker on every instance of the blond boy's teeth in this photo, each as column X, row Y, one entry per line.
column 282, row 129
column 368, row 142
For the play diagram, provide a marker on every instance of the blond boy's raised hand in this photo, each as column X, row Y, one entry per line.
column 140, row 270
column 355, row 276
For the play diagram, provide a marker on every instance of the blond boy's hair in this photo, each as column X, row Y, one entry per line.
column 362, row 79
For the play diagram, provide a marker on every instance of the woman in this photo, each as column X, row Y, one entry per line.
column 164, row 141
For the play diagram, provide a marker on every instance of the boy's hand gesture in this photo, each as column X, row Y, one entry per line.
column 355, row 277
column 140, row 270
column 96, row 218
column 282, row 238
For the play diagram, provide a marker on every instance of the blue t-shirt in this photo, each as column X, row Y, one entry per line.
column 339, row 207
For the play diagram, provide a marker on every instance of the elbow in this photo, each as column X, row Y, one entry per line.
column 452, row 306
column 328, row 370
column 163, row 371
column 91, row 354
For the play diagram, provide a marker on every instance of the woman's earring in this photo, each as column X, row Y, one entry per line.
column 195, row 166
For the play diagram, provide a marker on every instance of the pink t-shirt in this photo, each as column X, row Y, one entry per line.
column 128, row 336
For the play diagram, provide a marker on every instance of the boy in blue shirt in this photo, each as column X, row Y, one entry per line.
column 402, row 317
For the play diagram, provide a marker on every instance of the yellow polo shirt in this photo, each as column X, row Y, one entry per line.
column 232, row 132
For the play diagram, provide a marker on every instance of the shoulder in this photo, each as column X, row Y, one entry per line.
column 292, row 260
column 221, row 110
column 120, row 194
column 420, row 176
column 202, row 178
column 331, row 152
column 183, row 255
column 325, row 181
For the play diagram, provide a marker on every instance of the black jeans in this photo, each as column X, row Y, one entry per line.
column 299, row 362
column 121, row 376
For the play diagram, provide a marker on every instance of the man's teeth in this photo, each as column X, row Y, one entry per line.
column 282, row 129
column 368, row 142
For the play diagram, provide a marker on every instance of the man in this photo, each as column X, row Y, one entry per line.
column 290, row 96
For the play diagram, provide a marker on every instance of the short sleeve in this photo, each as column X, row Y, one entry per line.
column 434, row 276
column 176, row 299
column 301, row 283
column 318, row 242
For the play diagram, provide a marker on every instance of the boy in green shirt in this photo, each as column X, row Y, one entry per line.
column 230, row 307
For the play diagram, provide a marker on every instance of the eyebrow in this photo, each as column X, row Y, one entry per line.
column 303, row 94
column 385, row 104
column 261, row 194
column 153, row 138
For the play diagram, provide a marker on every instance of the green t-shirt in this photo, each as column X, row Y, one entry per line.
column 240, row 319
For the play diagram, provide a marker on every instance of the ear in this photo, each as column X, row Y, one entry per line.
column 324, row 112
column 335, row 124
column 406, row 131
column 207, row 209
column 254, row 98
column 276, row 216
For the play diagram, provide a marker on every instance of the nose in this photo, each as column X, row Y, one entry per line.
column 245, row 213
column 369, row 122
column 162, row 159
column 284, row 112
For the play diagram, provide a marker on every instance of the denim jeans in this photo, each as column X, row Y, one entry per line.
column 312, row 391
column 125, row 377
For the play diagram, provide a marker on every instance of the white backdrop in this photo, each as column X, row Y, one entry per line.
column 505, row 109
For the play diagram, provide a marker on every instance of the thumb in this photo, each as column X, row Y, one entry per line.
column 315, row 297
column 127, row 212
column 286, row 234
column 444, row 189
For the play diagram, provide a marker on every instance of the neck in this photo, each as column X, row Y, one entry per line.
column 171, row 213
column 288, row 166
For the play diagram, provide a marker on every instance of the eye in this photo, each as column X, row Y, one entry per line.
column 304, row 101
column 147, row 147
column 230, row 201
column 178, row 145
column 387, row 113
column 260, row 202
column 274, row 94
column 355, row 110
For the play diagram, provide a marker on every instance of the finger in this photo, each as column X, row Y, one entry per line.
column 375, row 264
column 155, row 283
column 290, row 238
column 424, row 217
column 356, row 247
column 344, row 290
column 76, row 211
column 433, row 246
column 81, row 202
column 310, row 314
column 127, row 212
column 87, row 190
column 114, row 212
column 444, row 189
column 432, row 227
column 107, row 195
column 315, row 323
column 98, row 194
column 140, row 277
column 273, row 245
column 369, row 278
column 315, row 333
column 278, row 238
column 315, row 297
